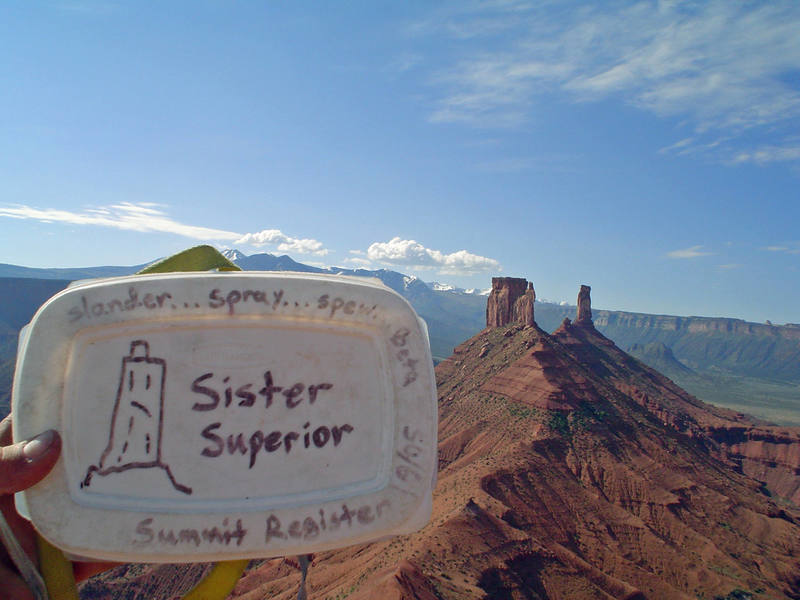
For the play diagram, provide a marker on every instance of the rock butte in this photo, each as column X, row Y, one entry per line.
column 569, row 470
column 510, row 301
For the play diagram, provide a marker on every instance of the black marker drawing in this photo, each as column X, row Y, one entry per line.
column 137, row 421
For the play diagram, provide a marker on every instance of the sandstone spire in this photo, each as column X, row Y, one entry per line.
column 584, row 306
column 510, row 301
column 523, row 307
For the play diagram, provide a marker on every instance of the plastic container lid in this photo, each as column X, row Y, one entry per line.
column 228, row 415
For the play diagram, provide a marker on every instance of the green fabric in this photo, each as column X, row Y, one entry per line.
column 199, row 258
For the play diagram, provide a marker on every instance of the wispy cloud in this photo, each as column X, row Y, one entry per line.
column 788, row 248
column 727, row 69
column 143, row 217
column 769, row 154
column 410, row 253
column 147, row 217
column 693, row 252
column 730, row 266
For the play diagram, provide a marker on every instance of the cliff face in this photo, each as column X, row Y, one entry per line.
column 768, row 454
column 697, row 324
column 753, row 349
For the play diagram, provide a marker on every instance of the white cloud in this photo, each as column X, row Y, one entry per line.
column 725, row 68
column 692, row 252
column 143, row 217
column 284, row 243
column 147, row 217
column 411, row 253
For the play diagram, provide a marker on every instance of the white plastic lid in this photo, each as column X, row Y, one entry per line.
column 228, row 415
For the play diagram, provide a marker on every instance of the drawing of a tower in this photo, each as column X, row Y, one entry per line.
column 137, row 420
column 138, row 413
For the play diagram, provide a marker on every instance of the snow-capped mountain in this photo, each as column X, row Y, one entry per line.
column 408, row 280
column 477, row 292
column 441, row 287
column 232, row 254
column 437, row 286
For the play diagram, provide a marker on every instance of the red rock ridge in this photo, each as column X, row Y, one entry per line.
column 542, row 378
column 571, row 471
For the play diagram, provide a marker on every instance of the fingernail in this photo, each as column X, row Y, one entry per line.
column 38, row 445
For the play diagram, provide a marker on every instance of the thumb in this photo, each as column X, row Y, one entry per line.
column 25, row 463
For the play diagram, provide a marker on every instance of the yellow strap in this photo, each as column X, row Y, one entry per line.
column 60, row 580
column 54, row 566
column 219, row 582
column 56, row 571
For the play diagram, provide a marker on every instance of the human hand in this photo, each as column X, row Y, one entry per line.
column 22, row 465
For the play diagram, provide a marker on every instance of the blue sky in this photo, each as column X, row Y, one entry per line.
column 649, row 149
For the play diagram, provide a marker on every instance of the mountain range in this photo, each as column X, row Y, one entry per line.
column 751, row 367
column 568, row 468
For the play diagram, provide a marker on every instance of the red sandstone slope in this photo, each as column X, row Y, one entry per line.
column 569, row 470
